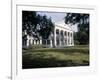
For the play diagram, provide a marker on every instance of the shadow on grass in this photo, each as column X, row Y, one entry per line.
column 29, row 62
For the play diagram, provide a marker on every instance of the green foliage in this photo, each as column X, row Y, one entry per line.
column 46, row 27
column 29, row 21
column 83, row 34
column 74, row 18
column 76, row 42
column 82, row 20
column 33, row 22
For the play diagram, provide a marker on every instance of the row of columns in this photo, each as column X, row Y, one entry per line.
column 63, row 38
column 59, row 38
column 32, row 41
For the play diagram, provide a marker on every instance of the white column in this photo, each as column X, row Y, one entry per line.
column 34, row 41
column 40, row 41
column 27, row 44
column 66, row 38
column 70, row 38
column 73, row 39
column 50, row 43
column 55, row 37
column 31, row 40
column 63, row 39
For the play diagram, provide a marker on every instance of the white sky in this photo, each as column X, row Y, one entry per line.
column 56, row 17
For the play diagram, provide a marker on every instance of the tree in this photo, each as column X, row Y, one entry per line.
column 82, row 20
column 46, row 27
column 29, row 21
column 36, row 25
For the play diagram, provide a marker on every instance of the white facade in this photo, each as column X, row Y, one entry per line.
column 62, row 36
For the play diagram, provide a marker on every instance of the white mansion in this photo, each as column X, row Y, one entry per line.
column 62, row 36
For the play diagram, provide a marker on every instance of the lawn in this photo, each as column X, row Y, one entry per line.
column 38, row 57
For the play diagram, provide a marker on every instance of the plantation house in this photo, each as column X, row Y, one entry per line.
column 61, row 36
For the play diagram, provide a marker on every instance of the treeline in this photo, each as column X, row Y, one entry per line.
column 82, row 20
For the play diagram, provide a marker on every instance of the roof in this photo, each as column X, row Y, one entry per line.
column 63, row 25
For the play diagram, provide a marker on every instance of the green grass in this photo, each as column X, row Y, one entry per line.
column 55, row 57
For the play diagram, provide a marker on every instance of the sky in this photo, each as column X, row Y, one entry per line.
column 56, row 17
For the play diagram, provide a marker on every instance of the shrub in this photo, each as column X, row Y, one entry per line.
column 76, row 42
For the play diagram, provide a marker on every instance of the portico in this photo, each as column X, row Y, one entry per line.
column 63, row 35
